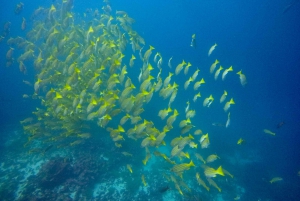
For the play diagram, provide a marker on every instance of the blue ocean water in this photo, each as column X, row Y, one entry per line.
column 259, row 37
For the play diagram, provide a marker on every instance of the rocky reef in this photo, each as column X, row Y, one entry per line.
column 62, row 178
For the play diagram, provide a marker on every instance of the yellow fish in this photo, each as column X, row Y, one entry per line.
column 275, row 179
column 204, row 141
column 223, row 97
column 269, row 132
column 228, row 120
column 193, row 145
column 187, row 83
column 210, row 172
column 176, row 150
column 199, row 157
column 226, row 71
column 169, row 62
column 208, row 101
column 227, row 173
column 227, row 105
column 186, row 69
column 198, row 84
column 242, row 78
column 180, row 67
column 182, row 167
column 172, row 118
column 193, row 42
column 131, row 62
column 168, row 79
column 198, row 132
column 148, row 53
column 194, row 76
column 164, row 113
column 156, row 56
column 218, row 72
column 213, row 66
column 126, row 153
column 143, row 180
column 129, row 167
column 213, row 183
column 212, row 49
column 201, row 182
column 23, row 26
column 184, row 122
column 240, row 141
column 176, row 141
column 148, row 156
column 212, row 158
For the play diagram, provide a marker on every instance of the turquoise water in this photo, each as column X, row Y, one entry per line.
column 259, row 37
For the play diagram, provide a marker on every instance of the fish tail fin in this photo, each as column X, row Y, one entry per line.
column 220, row 171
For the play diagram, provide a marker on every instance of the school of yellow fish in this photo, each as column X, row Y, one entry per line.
column 85, row 75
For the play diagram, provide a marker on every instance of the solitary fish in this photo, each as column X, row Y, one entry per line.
column 164, row 189
column 242, row 78
column 23, row 26
column 193, row 43
column 269, row 132
column 287, row 8
column 47, row 149
column 212, row 49
column 280, row 124
column 275, row 179
column 240, row 141
column 218, row 124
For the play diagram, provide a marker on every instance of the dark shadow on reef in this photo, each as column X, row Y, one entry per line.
column 60, row 177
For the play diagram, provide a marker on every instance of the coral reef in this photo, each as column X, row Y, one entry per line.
column 63, row 179
column 55, row 172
